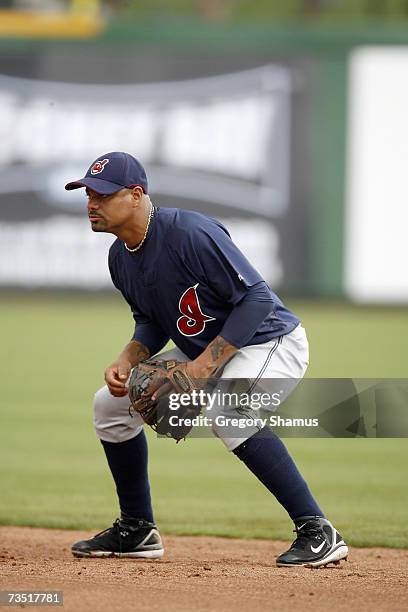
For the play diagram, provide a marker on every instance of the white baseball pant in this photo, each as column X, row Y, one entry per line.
column 286, row 357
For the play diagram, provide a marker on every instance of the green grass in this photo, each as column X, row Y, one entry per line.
column 52, row 469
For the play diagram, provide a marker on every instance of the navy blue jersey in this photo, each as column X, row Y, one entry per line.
column 186, row 280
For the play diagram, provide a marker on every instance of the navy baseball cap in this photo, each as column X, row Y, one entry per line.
column 112, row 172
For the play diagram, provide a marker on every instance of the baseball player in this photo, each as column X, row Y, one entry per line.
column 185, row 280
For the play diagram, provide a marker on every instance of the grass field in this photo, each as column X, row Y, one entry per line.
column 52, row 469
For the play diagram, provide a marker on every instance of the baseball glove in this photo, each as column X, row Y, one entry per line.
column 163, row 377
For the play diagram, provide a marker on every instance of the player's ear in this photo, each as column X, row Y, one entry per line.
column 137, row 195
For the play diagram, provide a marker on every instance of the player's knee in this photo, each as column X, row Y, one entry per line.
column 112, row 419
column 103, row 408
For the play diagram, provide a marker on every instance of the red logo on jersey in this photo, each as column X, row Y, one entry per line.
column 98, row 166
column 193, row 320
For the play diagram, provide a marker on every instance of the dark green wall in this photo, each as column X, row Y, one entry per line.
column 327, row 44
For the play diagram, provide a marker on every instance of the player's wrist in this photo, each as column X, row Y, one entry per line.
column 201, row 369
column 215, row 357
column 134, row 353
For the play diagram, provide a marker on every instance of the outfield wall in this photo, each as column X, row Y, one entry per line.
column 245, row 124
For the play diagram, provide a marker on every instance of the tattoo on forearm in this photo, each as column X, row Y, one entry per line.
column 218, row 347
column 141, row 352
column 215, row 357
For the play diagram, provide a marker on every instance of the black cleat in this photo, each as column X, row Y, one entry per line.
column 317, row 544
column 131, row 538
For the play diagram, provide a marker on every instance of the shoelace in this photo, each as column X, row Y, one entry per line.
column 114, row 526
column 308, row 531
column 117, row 528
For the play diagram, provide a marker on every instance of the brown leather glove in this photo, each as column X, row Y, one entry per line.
column 160, row 378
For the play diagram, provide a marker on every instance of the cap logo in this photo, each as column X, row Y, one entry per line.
column 98, row 166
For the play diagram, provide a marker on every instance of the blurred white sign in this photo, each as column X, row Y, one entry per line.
column 223, row 139
column 62, row 251
column 376, row 247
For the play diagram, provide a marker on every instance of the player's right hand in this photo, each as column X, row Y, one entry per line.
column 116, row 376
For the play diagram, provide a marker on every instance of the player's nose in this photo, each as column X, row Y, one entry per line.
column 93, row 203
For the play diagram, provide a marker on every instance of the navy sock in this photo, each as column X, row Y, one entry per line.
column 266, row 456
column 128, row 464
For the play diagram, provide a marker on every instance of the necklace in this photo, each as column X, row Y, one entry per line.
column 139, row 246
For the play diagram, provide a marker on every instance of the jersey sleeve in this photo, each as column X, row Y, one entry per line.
column 222, row 266
column 148, row 333
column 248, row 315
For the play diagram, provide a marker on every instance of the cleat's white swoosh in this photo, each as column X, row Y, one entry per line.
column 318, row 549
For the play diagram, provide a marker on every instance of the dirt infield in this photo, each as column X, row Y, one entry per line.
column 200, row 573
